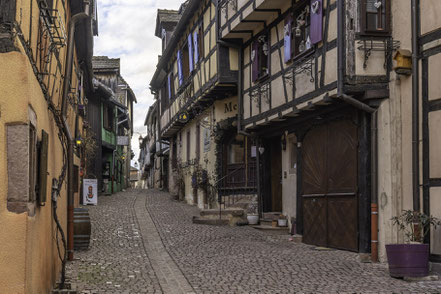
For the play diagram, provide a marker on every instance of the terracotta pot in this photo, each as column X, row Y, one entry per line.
column 408, row 260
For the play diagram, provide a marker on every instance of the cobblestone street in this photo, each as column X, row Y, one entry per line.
column 143, row 242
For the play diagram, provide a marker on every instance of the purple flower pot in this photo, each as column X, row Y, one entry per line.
column 408, row 260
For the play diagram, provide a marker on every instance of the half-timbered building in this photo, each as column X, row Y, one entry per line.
column 331, row 113
column 196, row 87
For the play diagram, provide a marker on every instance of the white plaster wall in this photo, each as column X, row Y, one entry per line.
column 289, row 180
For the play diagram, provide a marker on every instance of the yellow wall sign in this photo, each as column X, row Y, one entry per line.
column 183, row 117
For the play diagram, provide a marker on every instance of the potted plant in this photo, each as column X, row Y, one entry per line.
column 412, row 258
column 282, row 221
column 252, row 213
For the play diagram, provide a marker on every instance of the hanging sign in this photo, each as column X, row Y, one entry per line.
column 122, row 140
column 90, row 191
column 183, row 117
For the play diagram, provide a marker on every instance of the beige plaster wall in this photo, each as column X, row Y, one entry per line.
column 289, row 179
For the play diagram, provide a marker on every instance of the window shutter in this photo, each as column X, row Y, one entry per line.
column 180, row 73
column 196, row 47
column 287, row 38
column 169, row 86
column 255, row 60
column 190, row 52
column 42, row 172
column 316, row 21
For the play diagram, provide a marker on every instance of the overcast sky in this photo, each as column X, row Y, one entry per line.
column 126, row 30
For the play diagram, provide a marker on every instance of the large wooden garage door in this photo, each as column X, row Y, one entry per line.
column 329, row 179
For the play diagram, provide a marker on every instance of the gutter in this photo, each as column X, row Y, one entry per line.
column 70, row 137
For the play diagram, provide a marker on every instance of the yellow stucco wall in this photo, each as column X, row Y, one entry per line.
column 29, row 260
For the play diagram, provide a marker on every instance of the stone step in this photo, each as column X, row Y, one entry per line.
column 229, row 212
column 208, row 221
column 271, row 215
column 272, row 230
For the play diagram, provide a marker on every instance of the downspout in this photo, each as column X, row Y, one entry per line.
column 374, row 169
column 374, row 125
column 66, row 88
column 415, row 107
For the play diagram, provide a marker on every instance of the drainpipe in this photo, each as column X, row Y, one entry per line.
column 66, row 89
column 374, row 125
column 374, row 169
column 415, row 107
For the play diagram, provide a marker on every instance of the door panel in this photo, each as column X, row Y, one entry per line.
column 315, row 220
column 342, row 222
column 276, row 176
column 314, row 162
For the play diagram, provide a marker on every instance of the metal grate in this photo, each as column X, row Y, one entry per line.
column 53, row 26
column 377, row 45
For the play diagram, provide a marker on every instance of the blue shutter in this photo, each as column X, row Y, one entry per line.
column 316, row 21
column 169, row 86
column 190, row 52
column 196, row 47
column 287, row 38
column 180, row 73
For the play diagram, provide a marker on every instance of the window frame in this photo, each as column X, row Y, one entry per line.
column 363, row 20
column 300, row 6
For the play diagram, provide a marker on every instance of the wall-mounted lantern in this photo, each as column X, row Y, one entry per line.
column 403, row 60
column 79, row 141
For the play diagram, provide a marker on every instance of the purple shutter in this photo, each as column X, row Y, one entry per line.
column 169, row 86
column 255, row 60
column 180, row 74
column 190, row 52
column 287, row 38
column 316, row 21
column 196, row 47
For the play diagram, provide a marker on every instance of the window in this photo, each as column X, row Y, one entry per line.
column 303, row 29
column 107, row 117
column 236, row 150
column 292, row 156
column 198, row 41
column 174, row 153
column 32, row 163
column 188, row 146
column 198, row 141
column 170, row 87
column 260, row 58
column 375, row 19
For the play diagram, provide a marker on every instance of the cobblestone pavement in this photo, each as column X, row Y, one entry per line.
column 212, row 259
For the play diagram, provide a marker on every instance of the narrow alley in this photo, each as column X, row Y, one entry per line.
column 144, row 242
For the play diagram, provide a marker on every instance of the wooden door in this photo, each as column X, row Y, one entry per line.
column 329, row 179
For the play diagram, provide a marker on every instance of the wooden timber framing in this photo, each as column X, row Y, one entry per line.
column 212, row 77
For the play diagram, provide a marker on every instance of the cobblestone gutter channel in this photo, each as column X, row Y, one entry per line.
column 145, row 243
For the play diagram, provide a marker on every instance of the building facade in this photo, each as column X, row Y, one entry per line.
column 196, row 88
column 110, row 117
column 307, row 105
column 45, row 77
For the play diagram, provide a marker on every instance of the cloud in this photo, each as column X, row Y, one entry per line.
column 127, row 30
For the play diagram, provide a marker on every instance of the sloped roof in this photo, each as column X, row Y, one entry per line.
column 104, row 62
column 166, row 16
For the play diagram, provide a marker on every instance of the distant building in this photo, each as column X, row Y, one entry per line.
column 110, row 117
column 134, row 177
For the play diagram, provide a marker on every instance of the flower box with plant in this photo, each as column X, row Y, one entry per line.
column 412, row 258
